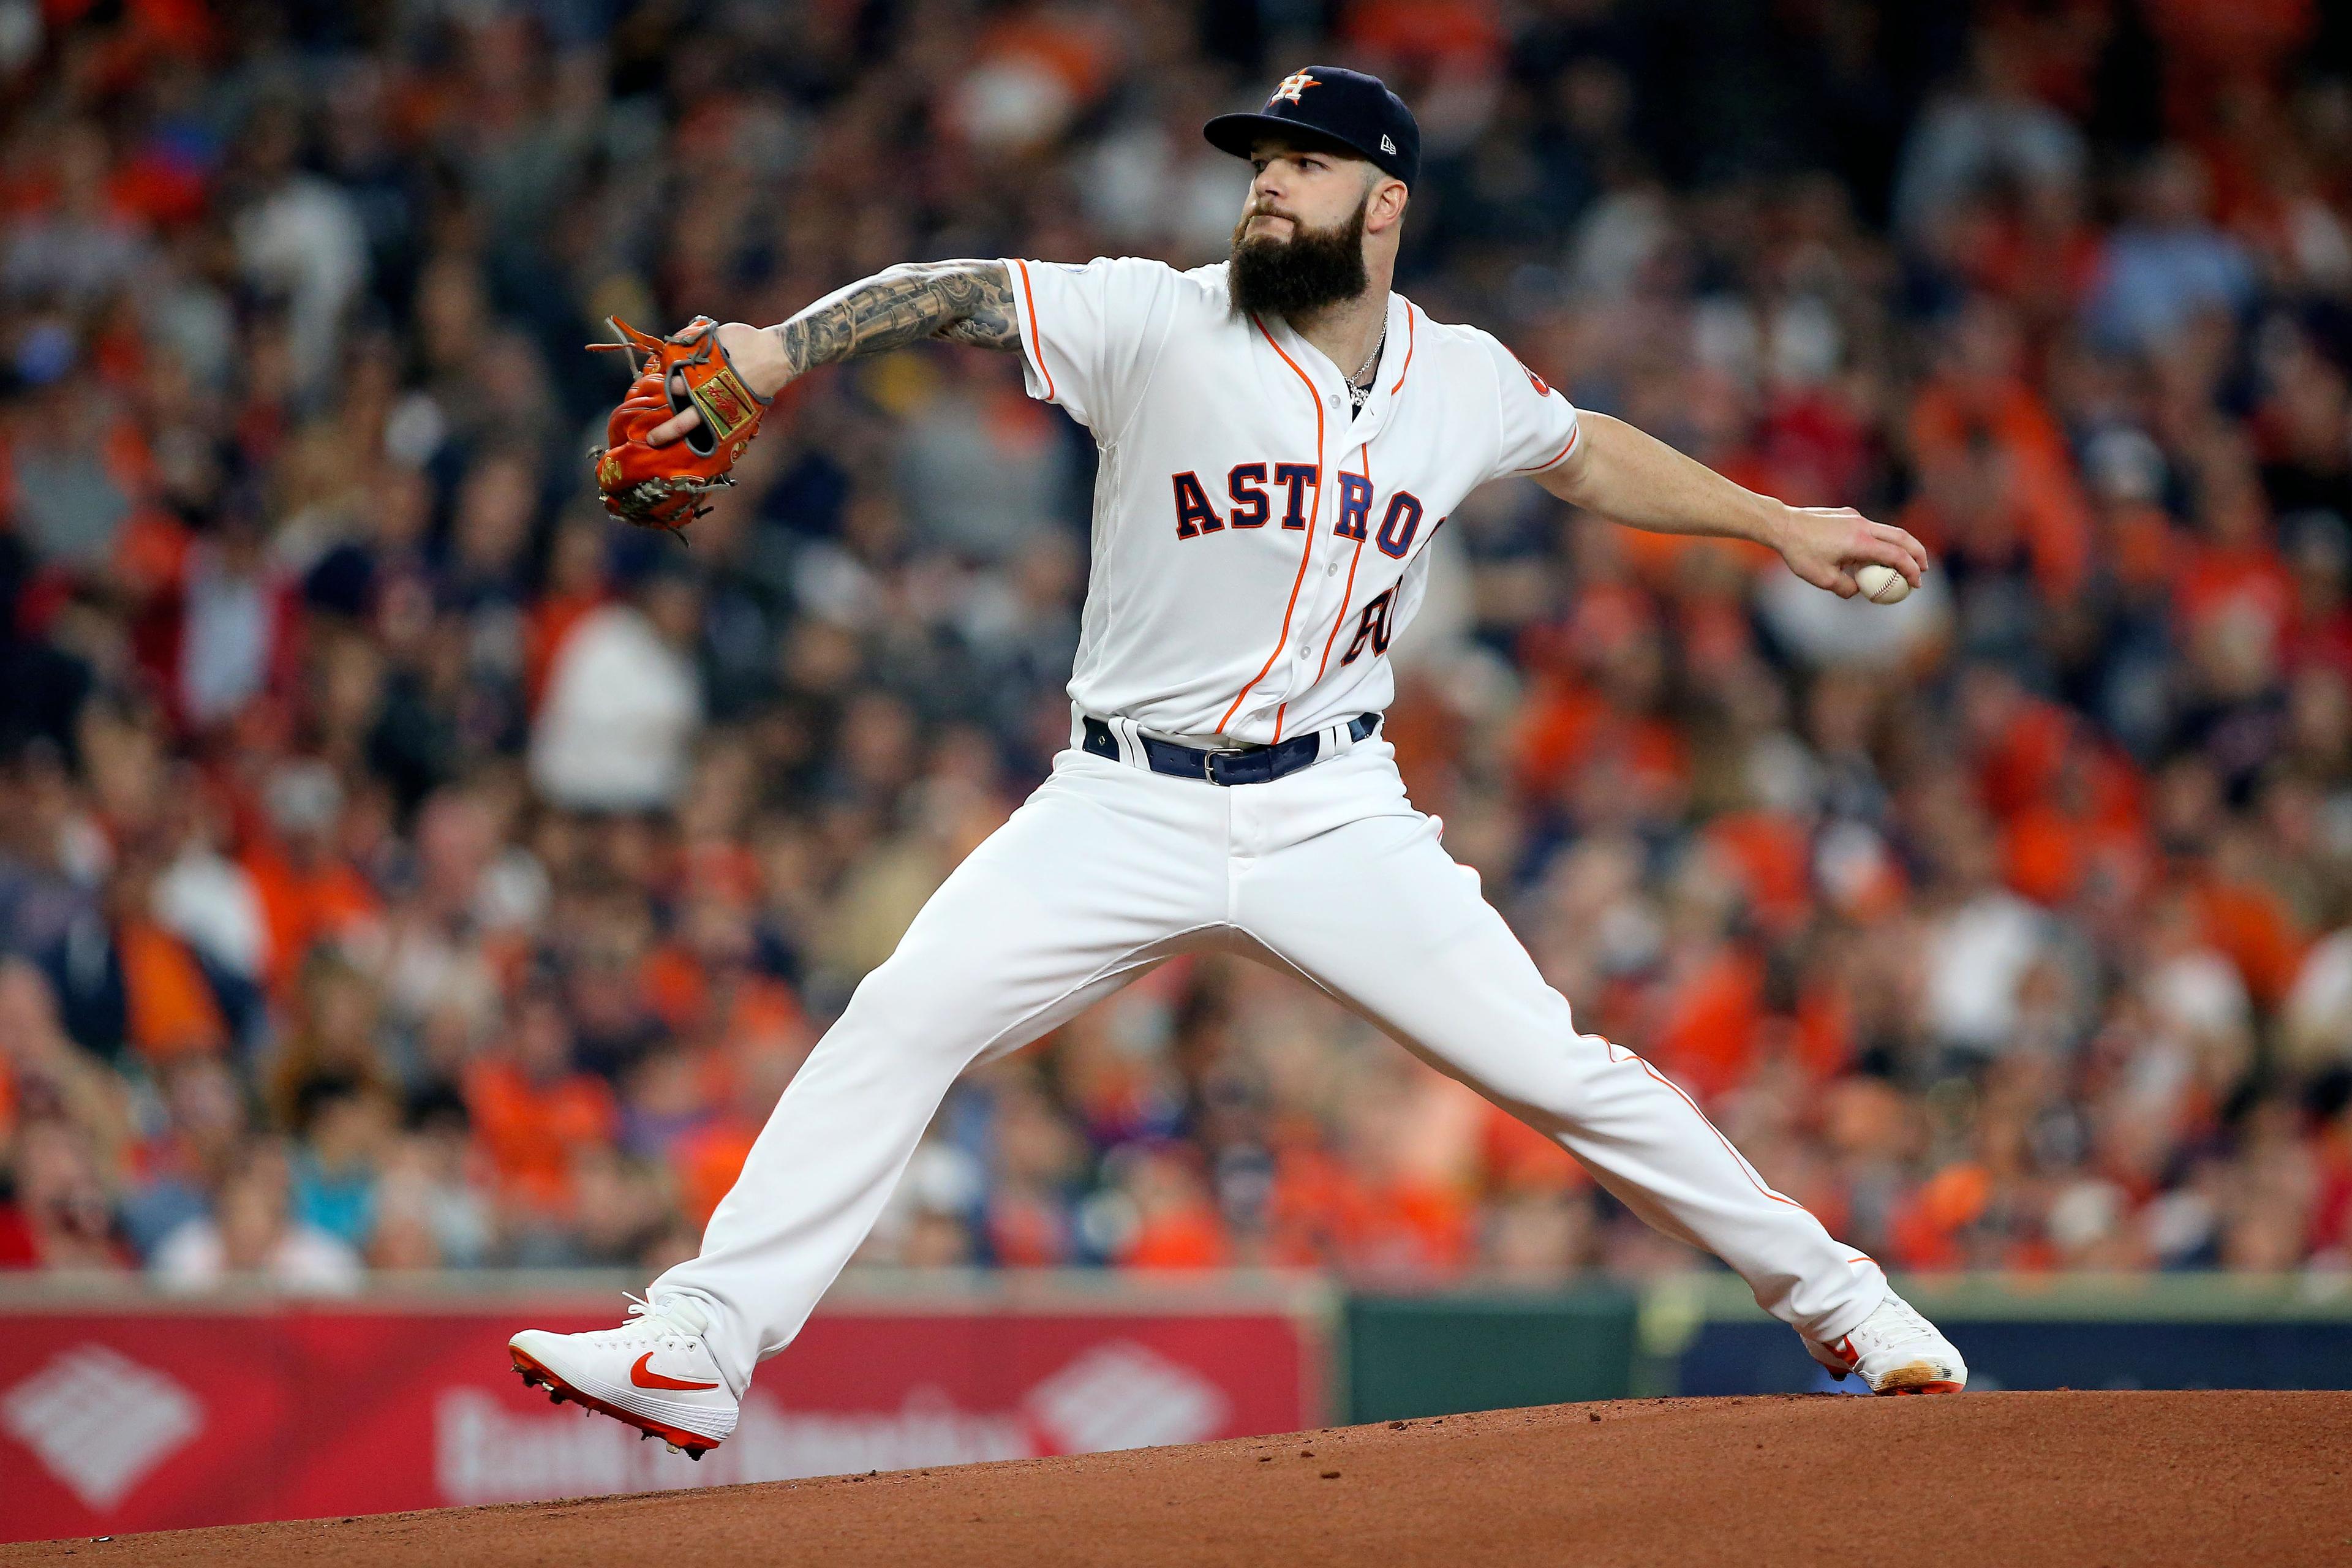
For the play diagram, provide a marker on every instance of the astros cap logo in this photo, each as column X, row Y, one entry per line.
column 1293, row 85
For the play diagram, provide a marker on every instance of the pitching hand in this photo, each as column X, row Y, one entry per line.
column 1823, row 544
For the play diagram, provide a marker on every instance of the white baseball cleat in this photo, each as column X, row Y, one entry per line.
column 1896, row 1350
column 654, row 1371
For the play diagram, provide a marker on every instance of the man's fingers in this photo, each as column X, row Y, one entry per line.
column 674, row 428
column 1902, row 540
column 1841, row 584
column 1871, row 547
column 1849, row 540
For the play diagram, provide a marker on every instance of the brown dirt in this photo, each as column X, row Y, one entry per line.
column 2019, row 1479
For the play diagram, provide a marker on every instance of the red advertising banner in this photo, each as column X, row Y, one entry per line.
column 120, row 1420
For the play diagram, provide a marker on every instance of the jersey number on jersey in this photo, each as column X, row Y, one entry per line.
column 1247, row 485
column 1373, row 627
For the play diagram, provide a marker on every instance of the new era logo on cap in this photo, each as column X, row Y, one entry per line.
column 1387, row 145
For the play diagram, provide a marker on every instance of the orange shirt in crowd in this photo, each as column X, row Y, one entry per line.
column 2044, row 499
column 1323, row 1212
column 740, row 1006
column 1708, row 1016
column 302, row 906
column 531, row 1130
column 1565, row 728
column 169, row 1007
column 1825, row 1035
column 2017, row 766
column 1518, row 1158
column 1413, row 1227
column 2246, row 579
column 2047, row 852
column 548, row 622
column 1026, row 1233
column 708, row 1160
column 1773, row 856
column 1191, row 1236
column 1927, row 1229
column 2251, row 927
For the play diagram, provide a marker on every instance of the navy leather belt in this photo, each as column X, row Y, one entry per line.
column 1242, row 765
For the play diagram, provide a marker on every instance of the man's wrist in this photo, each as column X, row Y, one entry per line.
column 1772, row 524
column 759, row 357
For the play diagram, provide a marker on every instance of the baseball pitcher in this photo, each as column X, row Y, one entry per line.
column 1281, row 437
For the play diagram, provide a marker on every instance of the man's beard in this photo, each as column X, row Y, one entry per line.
column 1312, row 268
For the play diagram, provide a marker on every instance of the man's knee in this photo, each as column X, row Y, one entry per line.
column 908, row 1009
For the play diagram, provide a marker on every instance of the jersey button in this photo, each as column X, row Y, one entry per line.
column 1332, row 570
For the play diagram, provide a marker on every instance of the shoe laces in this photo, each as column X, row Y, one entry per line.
column 1906, row 1319
column 676, row 1317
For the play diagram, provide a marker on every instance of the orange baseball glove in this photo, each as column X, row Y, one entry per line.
column 663, row 487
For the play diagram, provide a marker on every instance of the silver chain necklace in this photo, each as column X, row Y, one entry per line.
column 1357, row 394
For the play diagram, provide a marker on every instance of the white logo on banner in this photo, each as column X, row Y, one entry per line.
column 100, row 1421
column 1117, row 1395
column 1121, row 1396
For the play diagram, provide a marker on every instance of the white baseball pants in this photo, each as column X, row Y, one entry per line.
column 1328, row 872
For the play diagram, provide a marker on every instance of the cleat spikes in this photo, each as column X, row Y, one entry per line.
column 687, row 1440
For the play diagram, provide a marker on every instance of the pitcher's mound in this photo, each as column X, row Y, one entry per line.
column 2017, row 1480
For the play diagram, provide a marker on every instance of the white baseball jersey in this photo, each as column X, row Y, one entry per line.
column 1256, row 547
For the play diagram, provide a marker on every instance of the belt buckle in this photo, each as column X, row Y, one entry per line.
column 1209, row 766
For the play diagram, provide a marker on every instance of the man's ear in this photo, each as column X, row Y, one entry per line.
column 1387, row 207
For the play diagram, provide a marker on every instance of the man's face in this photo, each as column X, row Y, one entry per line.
column 1299, row 245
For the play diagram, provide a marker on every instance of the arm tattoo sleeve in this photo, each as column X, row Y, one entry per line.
column 962, row 302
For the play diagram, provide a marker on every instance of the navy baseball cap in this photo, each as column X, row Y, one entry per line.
column 1330, row 104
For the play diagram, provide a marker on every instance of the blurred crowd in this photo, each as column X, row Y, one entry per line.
column 403, row 866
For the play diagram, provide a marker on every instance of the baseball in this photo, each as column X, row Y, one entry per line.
column 1881, row 585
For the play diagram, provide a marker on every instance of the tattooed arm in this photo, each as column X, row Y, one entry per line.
column 962, row 302
column 968, row 301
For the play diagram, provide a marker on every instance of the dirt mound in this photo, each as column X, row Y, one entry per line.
column 2013, row 1478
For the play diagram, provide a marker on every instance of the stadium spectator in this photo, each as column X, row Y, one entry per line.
column 253, row 1236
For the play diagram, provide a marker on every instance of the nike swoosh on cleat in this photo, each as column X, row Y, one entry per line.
column 644, row 1376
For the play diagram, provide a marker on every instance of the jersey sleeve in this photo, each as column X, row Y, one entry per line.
column 1091, row 334
column 1537, row 426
